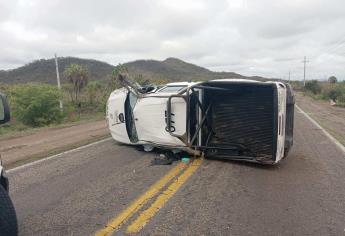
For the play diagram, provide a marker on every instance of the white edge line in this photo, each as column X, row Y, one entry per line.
column 334, row 140
column 57, row 155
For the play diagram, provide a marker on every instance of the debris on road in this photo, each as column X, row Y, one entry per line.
column 148, row 148
column 185, row 159
column 168, row 157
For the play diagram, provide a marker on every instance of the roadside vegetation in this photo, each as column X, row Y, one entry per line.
column 37, row 105
column 330, row 90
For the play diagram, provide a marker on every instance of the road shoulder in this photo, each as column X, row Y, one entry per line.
column 331, row 118
column 21, row 150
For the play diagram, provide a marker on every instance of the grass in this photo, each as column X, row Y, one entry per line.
column 322, row 90
column 319, row 97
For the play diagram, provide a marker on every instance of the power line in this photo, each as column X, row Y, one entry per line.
column 331, row 49
column 337, row 45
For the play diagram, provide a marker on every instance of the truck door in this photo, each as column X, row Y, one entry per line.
column 150, row 120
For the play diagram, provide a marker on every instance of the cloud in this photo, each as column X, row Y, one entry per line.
column 251, row 37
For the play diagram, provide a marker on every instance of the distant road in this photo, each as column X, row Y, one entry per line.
column 80, row 192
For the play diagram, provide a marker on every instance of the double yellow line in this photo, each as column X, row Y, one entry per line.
column 146, row 215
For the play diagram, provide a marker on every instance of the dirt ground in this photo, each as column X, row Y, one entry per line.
column 18, row 150
column 332, row 118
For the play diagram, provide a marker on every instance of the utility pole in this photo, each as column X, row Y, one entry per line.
column 289, row 75
column 305, row 63
column 58, row 80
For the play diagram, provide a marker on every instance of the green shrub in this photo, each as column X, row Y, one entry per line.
column 36, row 105
column 335, row 93
column 103, row 103
column 313, row 86
column 341, row 99
column 92, row 90
column 296, row 85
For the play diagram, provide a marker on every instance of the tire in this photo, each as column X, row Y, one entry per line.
column 8, row 218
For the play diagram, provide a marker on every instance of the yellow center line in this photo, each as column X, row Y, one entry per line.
column 116, row 222
column 146, row 215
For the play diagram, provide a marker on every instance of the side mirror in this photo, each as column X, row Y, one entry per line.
column 4, row 109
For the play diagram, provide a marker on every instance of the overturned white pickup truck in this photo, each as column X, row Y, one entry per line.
column 229, row 118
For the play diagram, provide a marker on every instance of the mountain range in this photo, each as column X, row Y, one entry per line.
column 171, row 69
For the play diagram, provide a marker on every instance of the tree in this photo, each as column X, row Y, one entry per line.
column 332, row 80
column 78, row 76
column 313, row 86
column 119, row 69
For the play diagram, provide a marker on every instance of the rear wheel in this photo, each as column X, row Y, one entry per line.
column 8, row 218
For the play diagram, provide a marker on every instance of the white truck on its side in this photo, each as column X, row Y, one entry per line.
column 232, row 119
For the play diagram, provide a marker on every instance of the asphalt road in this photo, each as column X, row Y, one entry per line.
column 79, row 192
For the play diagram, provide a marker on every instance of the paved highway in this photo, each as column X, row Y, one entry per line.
column 89, row 190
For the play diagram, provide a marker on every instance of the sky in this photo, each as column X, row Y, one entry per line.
column 252, row 37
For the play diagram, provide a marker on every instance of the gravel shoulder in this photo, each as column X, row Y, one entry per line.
column 331, row 118
column 19, row 150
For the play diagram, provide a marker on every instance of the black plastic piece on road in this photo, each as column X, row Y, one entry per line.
column 166, row 158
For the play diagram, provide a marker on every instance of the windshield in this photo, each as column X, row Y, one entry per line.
column 130, row 102
column 172, row 89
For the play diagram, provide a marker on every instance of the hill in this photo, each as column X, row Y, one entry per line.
column 175, row 69
column 171, row 69
column 43, row 70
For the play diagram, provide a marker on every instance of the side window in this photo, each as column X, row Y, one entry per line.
column 130, row 102
column 132, row 99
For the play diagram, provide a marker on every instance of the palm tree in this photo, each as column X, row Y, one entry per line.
column 113, row 82
column 78, row 76
column 332, row 80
